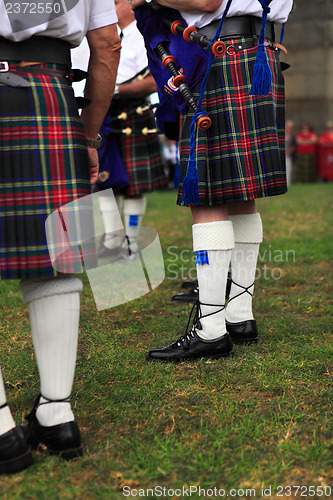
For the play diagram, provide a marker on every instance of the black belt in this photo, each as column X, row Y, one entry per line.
column 38, row 49
column 238, row 26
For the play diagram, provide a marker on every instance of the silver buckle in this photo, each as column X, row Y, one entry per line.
column 4, row 66
column 231, row 51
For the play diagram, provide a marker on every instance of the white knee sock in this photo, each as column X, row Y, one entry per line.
column 134, row 210
column 217, row 239
column 110, row 210
column 6, row 419
column 54, row 308
column 248, row 236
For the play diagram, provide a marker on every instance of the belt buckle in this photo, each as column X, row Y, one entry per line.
column 4, row 67
column 231, row 50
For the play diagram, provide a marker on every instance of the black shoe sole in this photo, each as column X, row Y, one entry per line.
column 16, row 464
column 67, row 454
column 245, row 341
column 181, row 360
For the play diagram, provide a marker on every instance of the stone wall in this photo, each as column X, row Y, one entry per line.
column 309, row 81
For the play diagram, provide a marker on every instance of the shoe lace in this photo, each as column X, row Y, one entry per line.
column 185, row 340
column 245, row 290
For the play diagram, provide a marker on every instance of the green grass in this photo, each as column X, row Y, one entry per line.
column 261, row 419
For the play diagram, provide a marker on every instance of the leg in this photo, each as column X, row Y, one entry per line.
column 248, row 235
column 15, row 454
column 213, row 240
column 134, row 210
column 110, row 210
column 54, row 309
column 6, row 420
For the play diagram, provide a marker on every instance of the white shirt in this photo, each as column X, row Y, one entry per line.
column 65, row 19
column 133, row 56
column 280, row 10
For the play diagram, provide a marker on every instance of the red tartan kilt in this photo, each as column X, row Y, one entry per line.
column 43, row 165
column 242, row 155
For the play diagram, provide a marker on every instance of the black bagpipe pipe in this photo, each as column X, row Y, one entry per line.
column 190, row 33
column 179, row 80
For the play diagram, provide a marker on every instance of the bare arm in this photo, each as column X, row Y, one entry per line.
column 104, row 44
column 138, row 88
column 185, row 5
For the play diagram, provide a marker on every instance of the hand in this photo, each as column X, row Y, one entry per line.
column 137, row 3
column 94, row 164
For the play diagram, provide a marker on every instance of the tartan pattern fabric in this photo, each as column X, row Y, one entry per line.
column 43, row 165
column 242, row 155
column 140, row 153
column 304, row 168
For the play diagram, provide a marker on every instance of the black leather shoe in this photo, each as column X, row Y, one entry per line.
column 191, row 296
column 190, row 284
column 62, row 439
column 191, row 347
column 15, row 454
column 244, row 332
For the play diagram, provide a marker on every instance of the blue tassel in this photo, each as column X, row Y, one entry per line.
column 202, row 257
column 190, row 194
column 262, row 74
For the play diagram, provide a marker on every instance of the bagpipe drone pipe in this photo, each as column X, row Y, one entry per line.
column 175, row 64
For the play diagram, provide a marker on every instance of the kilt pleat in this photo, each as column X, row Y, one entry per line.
column 141, row 154
column 242, row 155
column 43, row 166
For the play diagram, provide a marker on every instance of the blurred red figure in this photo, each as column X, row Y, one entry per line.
column 325, row 153
column 306, row 141
column 326, row 138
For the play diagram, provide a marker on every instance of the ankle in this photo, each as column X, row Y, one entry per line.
column 50, row 413
column 6, row 419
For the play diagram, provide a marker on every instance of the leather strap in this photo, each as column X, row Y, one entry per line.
column 37, row 48
column 238, row 26
column 13, row 80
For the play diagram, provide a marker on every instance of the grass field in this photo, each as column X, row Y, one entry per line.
column 260, row 420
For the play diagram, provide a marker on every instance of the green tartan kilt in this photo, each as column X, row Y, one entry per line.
column 242, row 155
column 43, row 165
